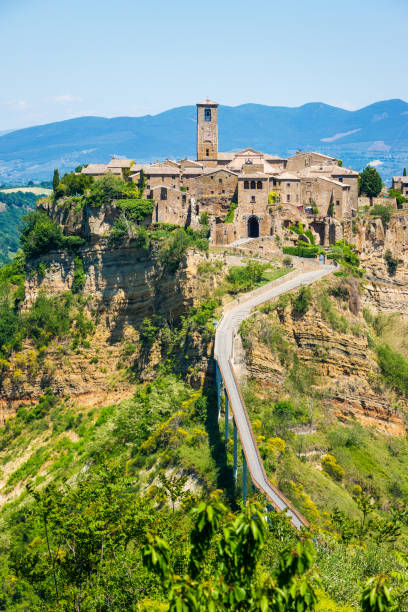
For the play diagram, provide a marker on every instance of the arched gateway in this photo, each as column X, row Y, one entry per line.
column 253, row 227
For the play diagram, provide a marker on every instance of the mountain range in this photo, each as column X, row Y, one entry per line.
column 376, row 134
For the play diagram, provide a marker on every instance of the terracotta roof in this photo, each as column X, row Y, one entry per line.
column 287, row 176
column 194, row 171
column 221, row 169
column 158, row 170
column 254, row 175
column 120, row 163
column 400, row 179
column 222, row 156
column 95, row 169
column 207, row 102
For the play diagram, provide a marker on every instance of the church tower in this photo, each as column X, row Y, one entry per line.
column 207, row 132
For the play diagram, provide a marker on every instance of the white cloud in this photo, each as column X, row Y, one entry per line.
column 66, row 99
column 375, row 163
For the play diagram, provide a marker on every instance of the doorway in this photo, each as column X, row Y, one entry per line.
column 253, row 227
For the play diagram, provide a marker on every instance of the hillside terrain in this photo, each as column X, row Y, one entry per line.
column 376, row 132
column 13, row 206
column 116, row 484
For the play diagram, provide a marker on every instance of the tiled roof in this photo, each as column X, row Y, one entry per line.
column 95, row 169
column 207, row 102
column 287, row 176
column 120, row 163
column 158, row 170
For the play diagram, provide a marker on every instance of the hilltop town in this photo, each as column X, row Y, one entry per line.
column 249, row 194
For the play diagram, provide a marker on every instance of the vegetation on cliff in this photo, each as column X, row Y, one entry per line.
column 16, row 205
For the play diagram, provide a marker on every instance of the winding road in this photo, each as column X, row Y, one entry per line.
column 227, row 327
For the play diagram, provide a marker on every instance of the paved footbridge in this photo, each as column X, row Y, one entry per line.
column 227, row 327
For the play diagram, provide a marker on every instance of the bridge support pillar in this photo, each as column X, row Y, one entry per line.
column 218, row 381
column 235, row 468
column 244, row 478
column 226, row 417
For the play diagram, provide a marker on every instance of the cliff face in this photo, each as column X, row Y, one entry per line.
column 122, row 286
column 338, row 365
column 385, row 292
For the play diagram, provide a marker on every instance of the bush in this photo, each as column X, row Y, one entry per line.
column 301, row 251
column 136, row 209
column 302, row 301
column 109, row 188
column 231, row 211
column 79, row 275
column 40, row 234
column 73, row 185
column 243, row 278
column 48, row 318
column 393, row 367
column 392, row 262
column 332, row 468
column 174, row 246
column 384, row 212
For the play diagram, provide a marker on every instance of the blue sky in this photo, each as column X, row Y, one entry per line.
column 67, row 58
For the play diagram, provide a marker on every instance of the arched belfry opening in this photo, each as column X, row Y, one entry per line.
column 253, row 227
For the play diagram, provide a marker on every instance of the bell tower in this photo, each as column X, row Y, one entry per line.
column 207, row 131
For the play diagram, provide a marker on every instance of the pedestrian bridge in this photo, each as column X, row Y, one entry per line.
column 227, row 382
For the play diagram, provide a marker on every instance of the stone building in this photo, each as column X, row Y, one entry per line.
column 257, row 191
column 401, row 183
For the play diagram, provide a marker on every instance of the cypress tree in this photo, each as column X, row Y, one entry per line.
column 55, row 180
column 405, row 172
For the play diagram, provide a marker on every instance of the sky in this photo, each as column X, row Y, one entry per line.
column 69, row 58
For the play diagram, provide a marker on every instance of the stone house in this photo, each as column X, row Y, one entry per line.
column 401, row 183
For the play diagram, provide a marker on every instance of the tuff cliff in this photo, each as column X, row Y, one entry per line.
column 333, row 345
column 123, row 287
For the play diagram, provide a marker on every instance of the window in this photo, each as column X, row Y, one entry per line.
column 288, row 185
column 274, row 182
column 338, row 202
column 184, row 198
column 253, row 199
column 223, row 191
column 340, row 179
column 259, row 185
column 246, row 184
column 207, row 114
column 220, row 181
column 288, row 197
column 207, row 152
column 163, row 193
column 253, row 186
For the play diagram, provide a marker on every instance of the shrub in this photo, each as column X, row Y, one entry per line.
column 302, row 301
column 287, row 261
column 383, row 212
column 40, row 234
column 204, row 219
column 332, row 468
column 243, row 278
column 394, row 368
column 301, row 251
column 231, row 211
column 48, row 318
column 109, row 188
column 136, row 209
column 79, row 275
column 73, row 184
column 392, row 262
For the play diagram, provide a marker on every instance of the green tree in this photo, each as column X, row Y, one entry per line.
column 236, row 584
column 404, row 172
column 371, row 183
column 55, row 180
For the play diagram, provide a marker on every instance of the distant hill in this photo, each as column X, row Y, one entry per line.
column 376, row 132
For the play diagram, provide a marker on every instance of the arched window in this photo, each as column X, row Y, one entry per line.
column 259, row 185
column 253, row 185
column 246, row 184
